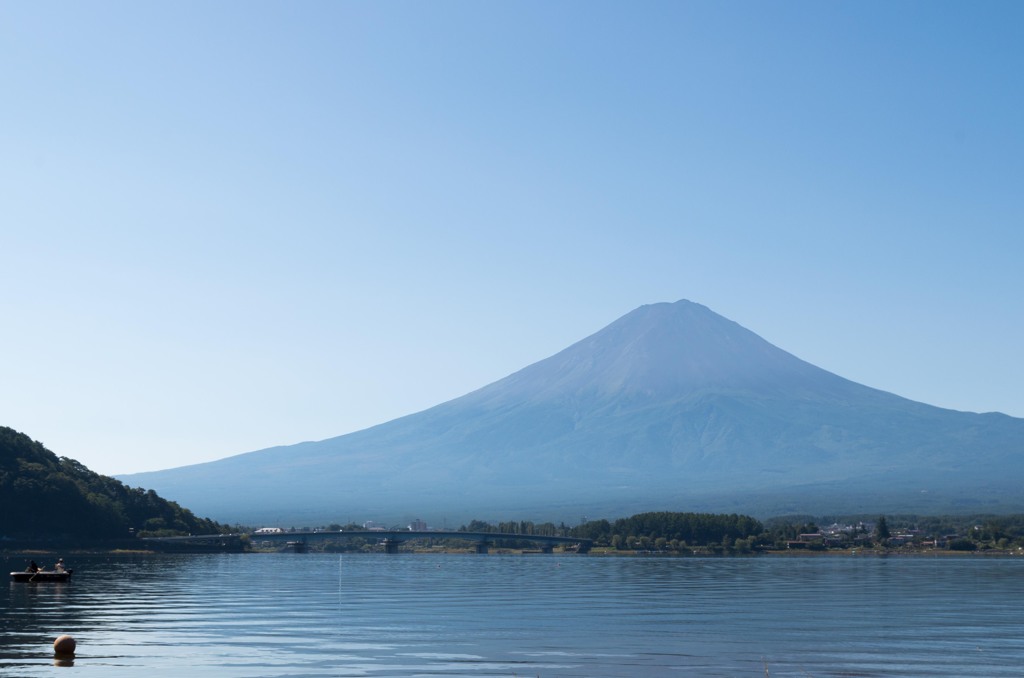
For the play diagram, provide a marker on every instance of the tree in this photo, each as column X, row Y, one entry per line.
column 962, row 545
column 43, row 496
column 882, row 530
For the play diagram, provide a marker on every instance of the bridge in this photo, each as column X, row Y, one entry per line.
column 390, row 539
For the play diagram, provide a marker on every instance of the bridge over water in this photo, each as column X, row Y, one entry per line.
column 390, row 539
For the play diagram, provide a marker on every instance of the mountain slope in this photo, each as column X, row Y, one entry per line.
column 46, row 498
column 670, row 407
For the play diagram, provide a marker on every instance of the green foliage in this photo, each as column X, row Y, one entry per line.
column 45, row 497
column 683, row 533
column 962, row 545
column 882, row 529
column 478, row 526
column 597, row 530
column 697, row 529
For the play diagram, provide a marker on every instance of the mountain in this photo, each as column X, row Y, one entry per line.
column 46, row 499
column 671, row 407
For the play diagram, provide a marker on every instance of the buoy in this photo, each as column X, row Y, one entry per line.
column 64, row 645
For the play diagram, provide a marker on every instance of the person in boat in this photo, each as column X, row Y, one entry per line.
column 59, row 567
column 32, row 567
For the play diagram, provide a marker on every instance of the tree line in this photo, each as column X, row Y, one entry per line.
column 662, row 530
column 679, row 532
column 44, row 497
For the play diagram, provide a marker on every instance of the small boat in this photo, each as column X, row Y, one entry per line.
column 41, row 576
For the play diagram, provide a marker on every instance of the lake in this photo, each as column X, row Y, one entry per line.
column 552, row 616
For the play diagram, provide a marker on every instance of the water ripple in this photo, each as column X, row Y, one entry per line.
column 551, row 616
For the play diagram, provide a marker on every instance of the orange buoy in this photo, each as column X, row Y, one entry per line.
column 64, row 645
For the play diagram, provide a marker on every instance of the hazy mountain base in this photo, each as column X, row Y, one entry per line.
column 574, row 503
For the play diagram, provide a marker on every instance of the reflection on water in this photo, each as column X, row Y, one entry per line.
column 548, row 616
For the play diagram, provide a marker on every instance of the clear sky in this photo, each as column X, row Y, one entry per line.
column 231, row 225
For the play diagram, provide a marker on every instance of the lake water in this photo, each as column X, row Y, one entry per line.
column 540, row 615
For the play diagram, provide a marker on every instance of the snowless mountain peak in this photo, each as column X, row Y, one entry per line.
column 670, row 407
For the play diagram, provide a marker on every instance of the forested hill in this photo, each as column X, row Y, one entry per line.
column 46, row 497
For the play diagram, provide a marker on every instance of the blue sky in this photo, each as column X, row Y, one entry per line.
column 226, row 226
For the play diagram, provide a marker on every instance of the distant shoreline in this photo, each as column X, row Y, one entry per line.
column 595, row 553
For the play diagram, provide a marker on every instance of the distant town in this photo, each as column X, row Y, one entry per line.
column 698, row 534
